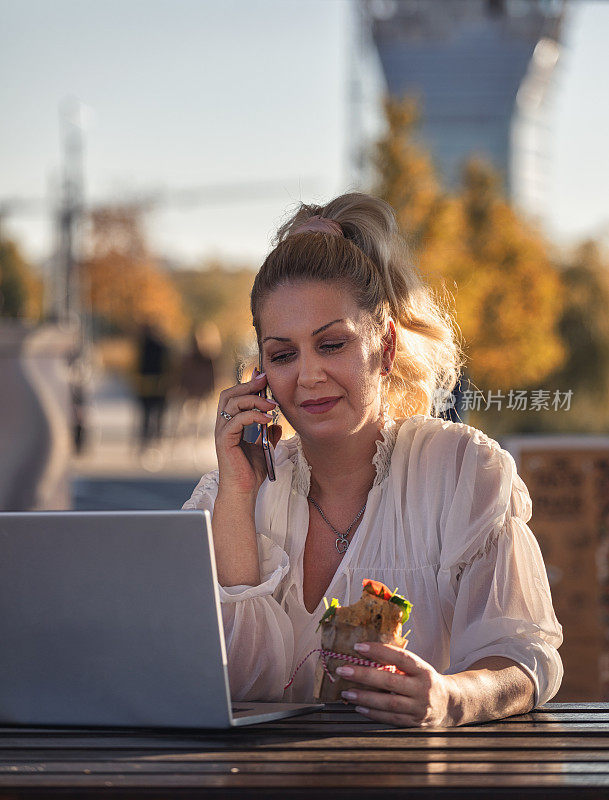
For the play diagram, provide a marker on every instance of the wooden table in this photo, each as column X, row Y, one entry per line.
column 559, row 751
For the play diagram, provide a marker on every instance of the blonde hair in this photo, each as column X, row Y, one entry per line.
column 372, row 260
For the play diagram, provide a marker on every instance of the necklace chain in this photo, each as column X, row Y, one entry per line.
column 342, row 540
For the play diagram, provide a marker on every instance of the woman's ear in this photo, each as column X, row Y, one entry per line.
column 389, row 347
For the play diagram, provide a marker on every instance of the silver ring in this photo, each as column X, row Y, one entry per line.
column 226, row 415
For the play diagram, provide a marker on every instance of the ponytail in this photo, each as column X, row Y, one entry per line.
column 372, row 259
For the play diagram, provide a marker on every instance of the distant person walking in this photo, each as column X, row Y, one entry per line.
column 152, row 383
column 195, row 384
column 196, row 372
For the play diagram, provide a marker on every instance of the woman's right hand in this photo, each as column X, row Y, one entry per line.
column 241, row 464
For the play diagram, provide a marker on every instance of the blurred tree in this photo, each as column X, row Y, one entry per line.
column 474, row 246
column 584, row 323
column 584, row 326
column 405, row 176
column 20, row 288
column 584, row 374
column 126, row 286
column 510, row 306
column 218, row 295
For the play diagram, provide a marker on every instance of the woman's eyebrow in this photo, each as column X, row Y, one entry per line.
column 319, row 330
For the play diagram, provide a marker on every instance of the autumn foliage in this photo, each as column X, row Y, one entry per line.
column 219, row 295
column 584, row 327
column 474, row 248
column 124, row 283
column 20, row 287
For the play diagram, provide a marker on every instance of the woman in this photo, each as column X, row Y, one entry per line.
column 348, row 333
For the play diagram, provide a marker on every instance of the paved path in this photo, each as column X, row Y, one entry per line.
column 112, row 473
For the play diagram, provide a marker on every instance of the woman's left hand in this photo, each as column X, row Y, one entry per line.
column 420, row 696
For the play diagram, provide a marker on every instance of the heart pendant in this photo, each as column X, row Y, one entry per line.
column 342, row 545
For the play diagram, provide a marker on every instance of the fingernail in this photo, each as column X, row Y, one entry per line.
column 361, row 647
column 362, row 710
column 272, row 402
column 344, row 671
column 349, row 695
column 260, row 375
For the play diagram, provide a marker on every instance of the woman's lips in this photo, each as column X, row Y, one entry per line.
column 321, row 408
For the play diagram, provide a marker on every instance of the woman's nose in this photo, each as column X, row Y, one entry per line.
column 311, row 371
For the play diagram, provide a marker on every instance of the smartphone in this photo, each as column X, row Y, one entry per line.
column 266, row 447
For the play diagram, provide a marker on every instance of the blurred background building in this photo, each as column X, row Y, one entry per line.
column 483, row 73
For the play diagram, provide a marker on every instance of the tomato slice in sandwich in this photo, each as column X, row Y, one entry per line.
column 377, row 588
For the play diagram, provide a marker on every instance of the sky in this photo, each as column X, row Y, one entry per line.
column 192, row 93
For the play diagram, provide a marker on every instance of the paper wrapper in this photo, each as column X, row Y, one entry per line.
column 371, row 619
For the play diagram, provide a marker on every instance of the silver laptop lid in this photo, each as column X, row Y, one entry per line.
column 111, row 618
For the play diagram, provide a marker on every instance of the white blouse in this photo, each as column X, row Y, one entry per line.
column 445, row 522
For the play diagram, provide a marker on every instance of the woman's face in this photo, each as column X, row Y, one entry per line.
column 322, row 364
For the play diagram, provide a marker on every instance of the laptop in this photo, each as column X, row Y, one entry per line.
column 113, row 619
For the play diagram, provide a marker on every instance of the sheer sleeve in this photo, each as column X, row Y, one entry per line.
column 258, row 632
column 492, row 580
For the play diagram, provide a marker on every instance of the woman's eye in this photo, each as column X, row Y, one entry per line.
column 328, row 347
column 281, row 357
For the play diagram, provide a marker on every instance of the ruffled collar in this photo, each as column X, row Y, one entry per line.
column 301, row 474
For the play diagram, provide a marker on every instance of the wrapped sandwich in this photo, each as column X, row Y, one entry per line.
column 377, row 616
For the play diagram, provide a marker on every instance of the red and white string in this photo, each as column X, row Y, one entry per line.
column 325, row 654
